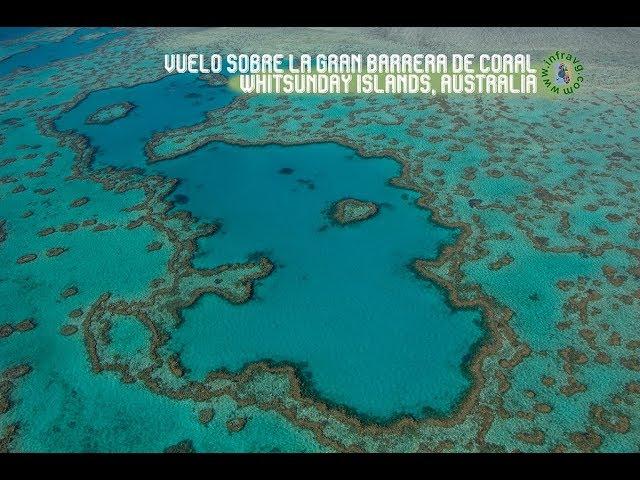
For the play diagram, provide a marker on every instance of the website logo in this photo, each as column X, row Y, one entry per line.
column 562, row 73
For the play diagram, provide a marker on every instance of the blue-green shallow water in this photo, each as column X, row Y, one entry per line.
column 342, row 303
column 70, row 46
column 10, row 33
column 64, row 407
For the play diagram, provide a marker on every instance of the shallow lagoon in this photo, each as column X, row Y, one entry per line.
column 343, row 304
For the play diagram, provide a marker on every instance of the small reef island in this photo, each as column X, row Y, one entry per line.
column 109, row 113
column 351, row 210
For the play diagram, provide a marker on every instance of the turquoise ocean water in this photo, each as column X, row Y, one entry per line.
column 343, row 304
column 547, row 190
column 10, row 33
column 71, row 46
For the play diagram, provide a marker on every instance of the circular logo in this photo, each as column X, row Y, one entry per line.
column 562, row 73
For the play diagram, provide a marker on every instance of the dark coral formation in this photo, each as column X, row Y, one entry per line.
column 184, row 446
column 110, row 113
column 8, row 381
column 25, row 325
column 237, row 424
column 351, row 210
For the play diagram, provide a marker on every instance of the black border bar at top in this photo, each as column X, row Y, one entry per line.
column 428, row 13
